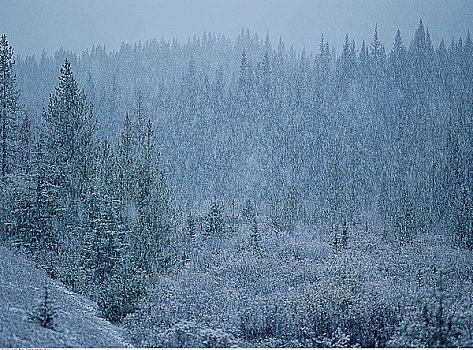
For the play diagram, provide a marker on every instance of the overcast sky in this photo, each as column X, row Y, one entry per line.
column 33, row 25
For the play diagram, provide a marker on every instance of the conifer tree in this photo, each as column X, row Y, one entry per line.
column 292, row 211
column 9, row 95
column 255, row 235
column 245, row 79
column 45, row 311
column 215, row 221
column 461, row 218
column 121, row 292
column 126, row 162
column 69, row 135
column 397, row 59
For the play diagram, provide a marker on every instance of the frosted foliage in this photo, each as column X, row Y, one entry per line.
column 220, row 193
column 188, row 334
column 299, row 290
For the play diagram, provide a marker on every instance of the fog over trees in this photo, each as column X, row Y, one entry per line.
column 222, row 192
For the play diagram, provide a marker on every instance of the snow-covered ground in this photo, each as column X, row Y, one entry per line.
column 78, row 321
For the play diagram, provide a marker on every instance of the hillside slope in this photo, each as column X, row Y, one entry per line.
column 78, row 321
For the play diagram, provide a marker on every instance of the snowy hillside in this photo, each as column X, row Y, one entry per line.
column 78, row 324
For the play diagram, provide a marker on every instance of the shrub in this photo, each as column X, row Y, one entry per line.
column 430, row 324
column 186, row 334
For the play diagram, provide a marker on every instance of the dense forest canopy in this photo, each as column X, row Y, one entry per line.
column 247, row 118
column 145, row 167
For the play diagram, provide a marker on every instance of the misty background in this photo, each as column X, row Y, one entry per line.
column 32, row 26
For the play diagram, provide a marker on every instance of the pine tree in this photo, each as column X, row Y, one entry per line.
column 335, row 186
column 153, row 202
column 215, row 222
column 397, row 60
column 9, row 135
column 191, row 226
column 340, row 235
column 245, row 79
column 377, row 52
column 9, row 95
column 248, row 211
column 46, row 197
column 126, row 162
column 324, row 60
column 292, row 211
column 25, row 144
column 418, row 46
column 255, row 234
column 69, row 131
column 405, row 220
column 461, row 218
column 347, row 62
column 233, row 224
column 104, row 243
column 45, row 311
column 121, row 292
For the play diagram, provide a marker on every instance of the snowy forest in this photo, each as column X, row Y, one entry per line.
column 221, row 192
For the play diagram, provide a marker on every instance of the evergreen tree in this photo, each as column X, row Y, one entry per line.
column 397, row 59
column 191, row 226
column 406, row 220
column 461, row 218
column 248, row 211
column 340, row 235
column 69, row 131
column 153, row 202
column 255, row 235
column 418, row 48
column 292, row 211
column 245, row 79
column 46, row 197
column 9, row 95
column 25, row 144
column 45, row 311
column 215, row 224
column 377, row 52
column 347, row 63
column 121, row 292
column 104, row 243
column 126, row 162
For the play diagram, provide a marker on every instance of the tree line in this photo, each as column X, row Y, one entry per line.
column 94, row 217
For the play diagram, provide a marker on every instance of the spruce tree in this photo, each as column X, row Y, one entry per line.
column 215, row 221
column 461, row 218
column 397, row 60
column 126, row 162
column 69, row 131
column 9, row 95
column 45, row 311
column 121, row 292
column 405, row 219
column 255, row 235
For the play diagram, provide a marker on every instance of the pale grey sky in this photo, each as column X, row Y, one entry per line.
column 33, row 25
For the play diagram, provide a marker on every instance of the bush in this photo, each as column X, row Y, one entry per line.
column 187, row 334
column 337, row 339
column 430, row 324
